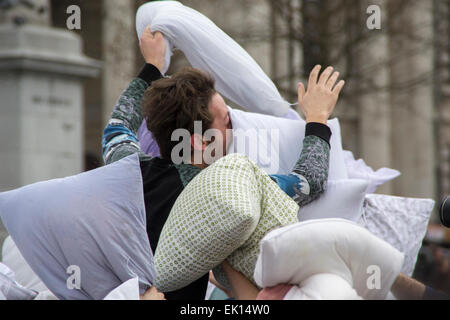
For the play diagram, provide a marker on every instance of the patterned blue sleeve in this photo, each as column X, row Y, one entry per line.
column 291, row 184
column 308, row 179
column 120, row 135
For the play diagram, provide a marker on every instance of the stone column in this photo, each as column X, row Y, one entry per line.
column 41, row 72
column 442, row 76
column 374, row 99
column 411, row 53
column 345, row 25
column 119, row 45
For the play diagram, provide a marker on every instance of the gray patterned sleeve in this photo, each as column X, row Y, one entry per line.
column 120, row 136
column 312, row 170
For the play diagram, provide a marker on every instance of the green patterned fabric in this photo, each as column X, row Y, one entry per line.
column 222, row 214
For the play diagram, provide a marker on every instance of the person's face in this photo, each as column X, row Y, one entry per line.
column 221, row 115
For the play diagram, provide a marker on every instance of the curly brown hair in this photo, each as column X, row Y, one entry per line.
column 176, row 103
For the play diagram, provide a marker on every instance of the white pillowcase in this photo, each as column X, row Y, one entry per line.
column 128, row 290
column 23, row 272
column 94, row 222
column 323, row 286
column 358, row 169
column 275, row 144
column 293, row 254
column 342, row 199
column 402, row 222
column 206, row 47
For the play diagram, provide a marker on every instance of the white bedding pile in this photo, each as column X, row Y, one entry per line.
column 329, row 259
column 20, row 274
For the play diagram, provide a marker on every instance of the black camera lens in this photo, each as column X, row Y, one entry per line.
column 444, row 212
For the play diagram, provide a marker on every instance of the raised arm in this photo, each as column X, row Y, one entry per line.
column 310, row 175
column 120, row 135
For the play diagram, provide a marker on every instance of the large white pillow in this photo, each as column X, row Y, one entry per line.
column 342, row 199
column 402, row 222
column 293, row 254
column 206, row 47
column 91, row 226
column 323, row 286
column 275, row 144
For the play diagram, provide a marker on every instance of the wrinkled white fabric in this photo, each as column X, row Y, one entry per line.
column 323, row 286
column 342, row 199
column 46, row 295
column 22, row 271
column 401, row 222
column 238, row 77
column 275, row 144
column 358, row 169
column 128, row 290
column 10, row 289
column 6, row 271
column 293, row 254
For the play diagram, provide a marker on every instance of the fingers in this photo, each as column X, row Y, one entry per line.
column 332, row 81
column 327, row 79
column 325, row 76
column 153, row 294
column 314, row 76
column 147, row 34
column 148, row 31
column 337, row 90
column 301, row 93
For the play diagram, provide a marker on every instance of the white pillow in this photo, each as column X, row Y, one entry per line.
column 402, row 222
column 90, row 227
column 293, row 254
column 323, row 286
column 128, row 290
column 275, row 144
column 23, row 272
column 206, row 47
column 358, row 169
column 342, row 199
column 10, row 289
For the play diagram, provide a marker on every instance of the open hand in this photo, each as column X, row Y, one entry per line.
column 319, row 101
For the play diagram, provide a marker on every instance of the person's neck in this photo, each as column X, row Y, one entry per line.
column 200, row 166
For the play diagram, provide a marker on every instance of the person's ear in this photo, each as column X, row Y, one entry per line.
column 198, row 143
